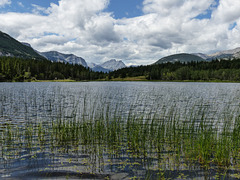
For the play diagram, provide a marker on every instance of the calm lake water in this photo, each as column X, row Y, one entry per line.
column 22, row 104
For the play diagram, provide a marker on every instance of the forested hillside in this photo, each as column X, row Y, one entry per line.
column 16, row 69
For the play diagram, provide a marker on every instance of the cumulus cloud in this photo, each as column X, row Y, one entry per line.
column 4, row 3
column 39, row 10
column 227, row 11
column 166, row 27
column 101, row 29
column 77, row 13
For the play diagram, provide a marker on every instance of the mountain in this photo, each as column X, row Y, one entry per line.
column 183, row 57
column 204, row 56
column 228, row 54
column 98, row 68
column 107, row 66
column 113, row 65
column 225, row 54
column 92, row 65
column 11, row 47
column 66, row 58
column 237, row 55
column 26, row 44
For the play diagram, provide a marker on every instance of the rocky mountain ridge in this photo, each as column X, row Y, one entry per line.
column 185, row 57
column 226, row 54
column 66, row 58
column 107, row 66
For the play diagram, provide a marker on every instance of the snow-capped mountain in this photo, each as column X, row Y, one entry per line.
column 66, row 58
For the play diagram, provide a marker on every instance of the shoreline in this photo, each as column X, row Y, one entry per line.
column 124, row 80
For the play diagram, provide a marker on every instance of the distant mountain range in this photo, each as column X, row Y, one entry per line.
column 11, row 47
column 107, row 66
column 184, row 57
column 228, row 54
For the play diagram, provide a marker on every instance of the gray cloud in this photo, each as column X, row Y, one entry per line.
column 101, row 30
column 85, row 29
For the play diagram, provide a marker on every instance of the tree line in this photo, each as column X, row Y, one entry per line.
column 222, row 70
column 17, row 69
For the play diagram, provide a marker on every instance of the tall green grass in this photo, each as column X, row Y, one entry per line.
column 194, row 143
column 103, row 135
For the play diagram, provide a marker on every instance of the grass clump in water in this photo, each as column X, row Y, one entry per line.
column 164, row 143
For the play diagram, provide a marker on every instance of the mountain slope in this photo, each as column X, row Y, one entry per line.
column 204, row 56
column 11, row 47
column 107, row 66
column 225, row 54
column 113, row 65
column 183, row 57
column 98, row 68
column 66, row 58
column 237, row 55
column 228, row 54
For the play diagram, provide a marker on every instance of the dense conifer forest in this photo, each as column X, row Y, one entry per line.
column 17, row 69
column 216, row 70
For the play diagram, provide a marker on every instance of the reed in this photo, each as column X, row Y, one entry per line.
column 195, row 143
column 108, row 138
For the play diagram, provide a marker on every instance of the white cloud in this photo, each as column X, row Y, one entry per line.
column 20, row 4
column 39, row 10
column 78, row 13
column 227, row 11
column 4, row 3
column 101, row 29
column 86, row 29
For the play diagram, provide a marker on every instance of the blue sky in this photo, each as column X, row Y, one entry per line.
column 119, row 8
column 24, row 6
column 125, row 8
column 135, row 31
column 208, row 13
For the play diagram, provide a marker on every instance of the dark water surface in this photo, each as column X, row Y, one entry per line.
column 24, row 104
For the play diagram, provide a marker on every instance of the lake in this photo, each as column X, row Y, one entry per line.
column 58, row 130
